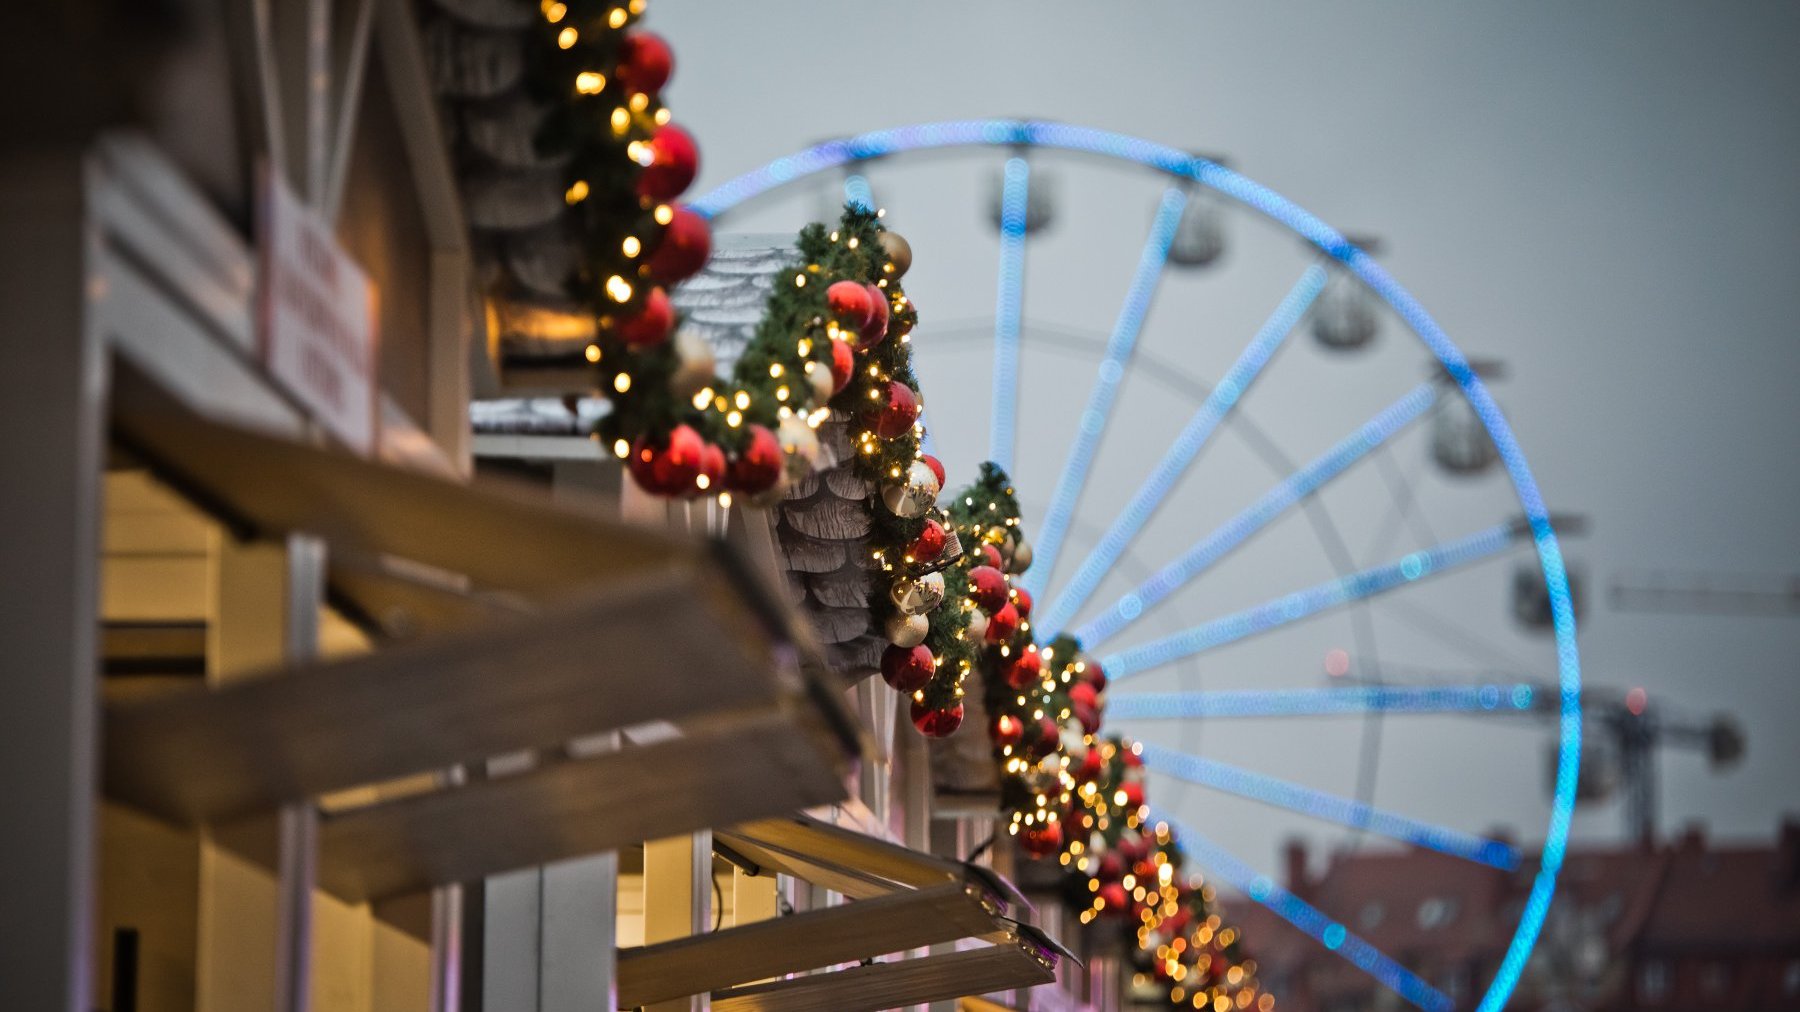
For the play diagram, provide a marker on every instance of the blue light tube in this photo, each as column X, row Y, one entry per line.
column 1008, row 303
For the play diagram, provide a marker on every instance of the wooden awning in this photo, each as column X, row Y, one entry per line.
column 533, row 626
column 901, row 900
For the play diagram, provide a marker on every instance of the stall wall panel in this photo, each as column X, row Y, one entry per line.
column 384, row 230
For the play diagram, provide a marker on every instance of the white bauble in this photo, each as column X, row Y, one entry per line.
column 978, row 623
column 818, row 377
column 907, row 630
column 695, row 366
column 916, row 597
column 914, row 494
column 799, row 442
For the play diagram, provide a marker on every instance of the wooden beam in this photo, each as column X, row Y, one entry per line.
column 648, row 649
column 1012, row 963
column 784, row 945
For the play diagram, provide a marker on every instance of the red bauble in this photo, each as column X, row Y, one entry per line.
column 1021, row 599
column 674, row 161
column 1003, row 625
column 684, row 248
column 645, row 62
column 1049, row 738
column 987, row 586
column 650, row 327
column 907, row 669
column 850, row 304
column 843, row 366
column 937, row 723
column 1114, row 896
column 1089, row 716
column 1176, row 923
column 871, row 332
column 1025, row 670
column 1091, row 766
column 758, row 466
column 929, row 544
column 1007, row 730
column 1041, row 839
column 898, row 412
column 991, row 556
column 1134, row 794
column 936, row 465
column 1133, row 849
column 1083, row 694
column 669, row 468
column 712, row 469
column 1095, row 674
column 1131, row 759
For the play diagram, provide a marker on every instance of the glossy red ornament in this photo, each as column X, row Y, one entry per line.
column 987, row 586
column 937, row 723
column 850, row 304
column 1003, row 625
column 1025, row 670
column 674, row 161
column 1176, row 923
column 1007, row 730
column 875, row 328
column 712, row 469
column 1094, row 673
column 651, row 325
column 645, row 62
column 671, row 467
column 899, row 410
column 1091, row 766
column 758, row 466
column 929, row 544
column 1114, row 896
column 684, row 248
column 1041, row 839
column 1021, row 599
column 907, row 669
column 1048, row 739
column 1083, row 694
column 936, row 465
column 1089, row 718
column 1134, row 794
column 991, row 556
column 1131, row 759
column 843, row 366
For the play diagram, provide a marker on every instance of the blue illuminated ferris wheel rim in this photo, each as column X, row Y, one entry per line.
column 1038, row 133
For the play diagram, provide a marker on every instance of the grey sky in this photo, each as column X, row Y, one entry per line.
column 1603, row 195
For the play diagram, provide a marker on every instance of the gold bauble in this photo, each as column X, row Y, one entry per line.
column 898, row 250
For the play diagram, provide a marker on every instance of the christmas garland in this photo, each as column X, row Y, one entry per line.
column 623, row 161
column 1125, row 873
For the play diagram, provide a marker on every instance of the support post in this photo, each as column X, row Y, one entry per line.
column 52, row 386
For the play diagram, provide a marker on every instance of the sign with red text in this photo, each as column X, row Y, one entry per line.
column 318, row 318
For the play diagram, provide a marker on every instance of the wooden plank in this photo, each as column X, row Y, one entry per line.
column 654, row 647
column 1009, row 964
column 783, row 945
column 390, row 849
column 820, row 843
column 505, row 537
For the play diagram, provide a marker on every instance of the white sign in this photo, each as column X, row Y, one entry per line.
column 318, row 318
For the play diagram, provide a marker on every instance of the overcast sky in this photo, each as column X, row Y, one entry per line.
column 1601, row 195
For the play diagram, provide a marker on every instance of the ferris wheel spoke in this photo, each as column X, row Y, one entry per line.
column 1313, row 600
column 1106, row 387
column 1181, row 453
column 1344, row 701
column 1330, row 807
column 858, row 193
column 1008, row 309
column 1257, row 515
column 1332, row 934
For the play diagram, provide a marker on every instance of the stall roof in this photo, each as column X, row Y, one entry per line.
column 902, row 899
column 562, row 626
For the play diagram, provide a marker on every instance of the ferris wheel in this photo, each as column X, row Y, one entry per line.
column 1097, row 581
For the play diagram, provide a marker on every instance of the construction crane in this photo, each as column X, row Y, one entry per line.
column 1706, row 593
